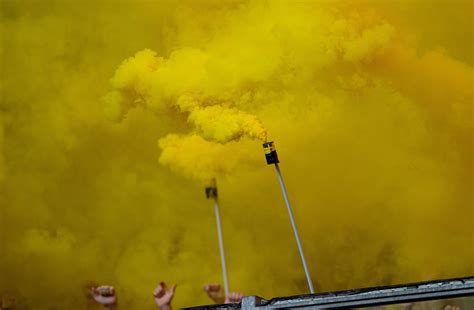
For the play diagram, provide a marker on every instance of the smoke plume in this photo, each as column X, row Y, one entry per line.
column 184, row 84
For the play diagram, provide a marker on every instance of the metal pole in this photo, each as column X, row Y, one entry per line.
column 295, row 230
column 221, row 247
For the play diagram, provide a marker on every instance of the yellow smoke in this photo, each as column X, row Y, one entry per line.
column 369, row 102
column 183, row 83
column 194, row 156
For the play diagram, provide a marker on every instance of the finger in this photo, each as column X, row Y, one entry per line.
column 157, row 291
column 173, row 288
column 93, row 291
column 215, row 288
column 108, row 290
column 100, row 290
column 160, row 290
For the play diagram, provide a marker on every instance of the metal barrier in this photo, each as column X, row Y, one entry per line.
column 366, row 297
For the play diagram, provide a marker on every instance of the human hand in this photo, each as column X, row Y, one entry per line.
column 215, row 292
column 163, row 295
column 105, row 295
column 233, row 298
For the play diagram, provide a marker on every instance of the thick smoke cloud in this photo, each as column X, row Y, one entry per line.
column 110, row 111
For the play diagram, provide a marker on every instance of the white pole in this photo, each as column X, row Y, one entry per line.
column 221, row 247
column 295, row 230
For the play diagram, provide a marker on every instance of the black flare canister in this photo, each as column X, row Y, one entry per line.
column 270, row 153
column 211, row 190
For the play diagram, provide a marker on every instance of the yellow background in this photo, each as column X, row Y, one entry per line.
column 369, row 103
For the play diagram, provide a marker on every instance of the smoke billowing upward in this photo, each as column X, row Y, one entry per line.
column 183, row 83
column 370, row 105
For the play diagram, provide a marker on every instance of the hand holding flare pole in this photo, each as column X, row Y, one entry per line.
column 211, row 192
column 272, row 158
